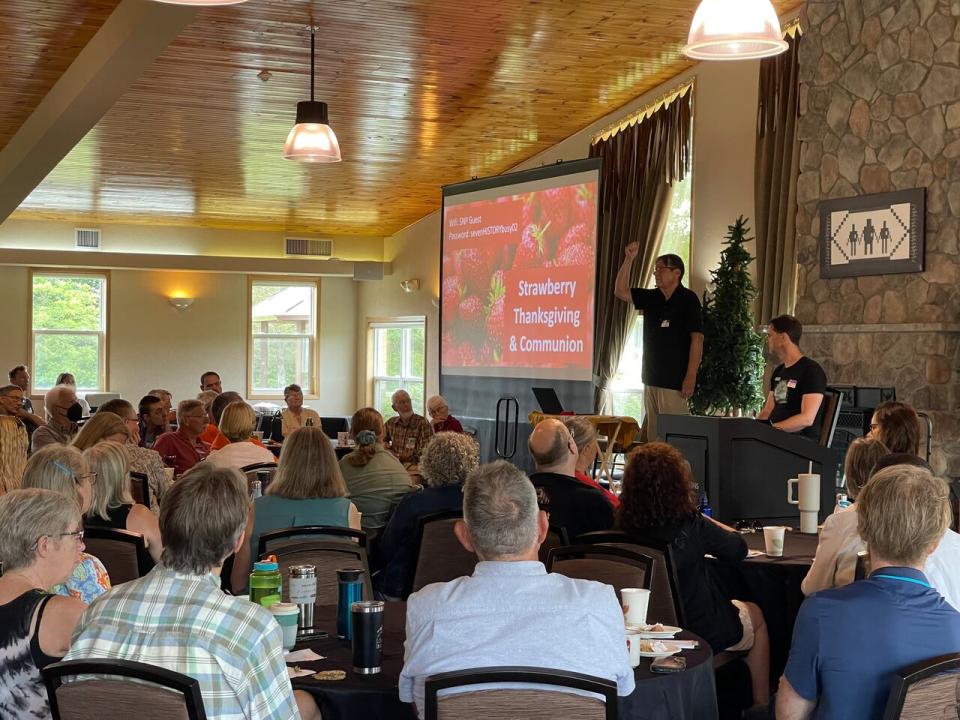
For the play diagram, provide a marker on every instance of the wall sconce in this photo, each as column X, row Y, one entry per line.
column 180, row 303
column 411, row 285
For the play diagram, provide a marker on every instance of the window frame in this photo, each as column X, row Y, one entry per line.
column 383, row 323
column 103, row 345
column 311, row 393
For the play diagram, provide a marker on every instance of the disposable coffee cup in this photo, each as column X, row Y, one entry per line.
column 635, row 601
column 170, row 473
column 287, row 615
column 633, row 647
column 773, row 540
column 258, row 434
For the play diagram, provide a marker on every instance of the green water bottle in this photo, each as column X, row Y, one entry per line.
column 266, row 582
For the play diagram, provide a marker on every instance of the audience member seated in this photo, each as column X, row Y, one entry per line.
column 296, row 415
column 584, row 434
column 62, row 411
column 848, row 642
column 177, row 617
column 376, row 481
column 112, row 505
column 212, row 434
column 659, row 501
column 70, row 380
column 307, row 489
column 897, row 425
column 207, row 397
column 567, row 501
column 63, row 469
column 184, row 444
column 237, row 425
column 210, row 380
column 20, row 376
column 408, row 432
column 444, row 464
column 440, row 417
column 142, row 460
column 14, row 439
column 166, row 397
column 510, row 611
column 41, row 540
column 153, row 420
column 840, row 540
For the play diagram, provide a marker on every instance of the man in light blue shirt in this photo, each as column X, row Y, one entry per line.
column 510, row 611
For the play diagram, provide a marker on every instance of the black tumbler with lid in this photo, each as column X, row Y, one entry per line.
column 367, row 636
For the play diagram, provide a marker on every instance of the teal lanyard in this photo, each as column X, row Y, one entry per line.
column 906, row 579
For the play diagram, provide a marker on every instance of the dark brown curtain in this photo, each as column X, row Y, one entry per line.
column 640, row 165
column 775, row 183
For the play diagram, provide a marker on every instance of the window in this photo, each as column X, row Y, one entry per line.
column 626, row 386
column 69, row 321
column 398, row 362
column 283, row 319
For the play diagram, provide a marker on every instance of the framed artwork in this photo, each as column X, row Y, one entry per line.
column 875, row 234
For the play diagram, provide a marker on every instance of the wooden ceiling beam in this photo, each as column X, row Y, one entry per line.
column 124, row 46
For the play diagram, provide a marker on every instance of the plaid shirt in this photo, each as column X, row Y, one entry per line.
column 407, row 438
column 185, row 623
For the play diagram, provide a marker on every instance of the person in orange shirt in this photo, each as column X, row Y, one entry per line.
column 212, row 434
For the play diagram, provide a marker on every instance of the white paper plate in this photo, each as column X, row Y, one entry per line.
column 671, row 650
column 668, row 631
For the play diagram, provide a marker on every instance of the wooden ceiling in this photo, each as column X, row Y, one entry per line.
column 421, row 93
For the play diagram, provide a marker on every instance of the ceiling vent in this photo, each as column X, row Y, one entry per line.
column 305, row 246
column 87, row 238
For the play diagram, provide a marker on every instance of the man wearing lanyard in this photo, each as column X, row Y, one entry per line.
column 848, row 642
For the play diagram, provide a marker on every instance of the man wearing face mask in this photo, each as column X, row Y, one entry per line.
column 63, row 412
column 408, row 431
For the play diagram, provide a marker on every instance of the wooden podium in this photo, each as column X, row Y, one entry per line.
column 743, row 465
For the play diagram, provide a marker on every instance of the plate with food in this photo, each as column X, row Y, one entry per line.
column 657, row 648
column 656, row 630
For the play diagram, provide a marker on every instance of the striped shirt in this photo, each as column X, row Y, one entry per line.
column 185, row 623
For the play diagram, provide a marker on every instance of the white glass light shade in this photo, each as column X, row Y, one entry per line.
column 734, row 30
column 312, row 139
column 201, row 3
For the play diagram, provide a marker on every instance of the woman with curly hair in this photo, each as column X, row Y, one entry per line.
column 376, row 481
column 659, row 502
column 445, row 462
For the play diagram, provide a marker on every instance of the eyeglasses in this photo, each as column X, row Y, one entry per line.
column 92, row 477
column 78, row 534
column 195, row 417
column 873, row 426
column 661, row 268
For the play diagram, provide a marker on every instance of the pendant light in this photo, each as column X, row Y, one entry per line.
column 734, row 30
column 312, row 139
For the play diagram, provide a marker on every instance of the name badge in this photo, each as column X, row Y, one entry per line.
column 411, row 443
column 791, row 383
column 665, row 324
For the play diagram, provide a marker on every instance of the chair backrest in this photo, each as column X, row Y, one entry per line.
column 123, row 553
column 333, row 425
column 927, row 690
column 530, row 704
column 862, row 568
column 666, row 605
column 327, row 547
column 439, row 555
column 556, row 537
column 926, row 435
column 98, row 695
column 832, row 402
column 263, row 472
column 140, row 488
column 613, row 565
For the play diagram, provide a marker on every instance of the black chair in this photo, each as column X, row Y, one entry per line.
column 157, row 694
column 612, row 565
column 530, row 704
column 925, row 690
column 556, row 537
column 862, row 568
column 333, row 425
column 666, row 605
column 438, row 554
column 140, row 488
column 832, row 403
column 327, row 547
column 263, row 472
column 123, row 553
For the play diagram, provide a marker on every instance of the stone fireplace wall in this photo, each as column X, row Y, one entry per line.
column 880, row 111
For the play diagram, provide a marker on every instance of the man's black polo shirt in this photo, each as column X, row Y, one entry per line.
column 667, row 325
column 571, row 504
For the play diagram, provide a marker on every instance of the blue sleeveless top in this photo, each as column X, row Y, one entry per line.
column 272, row 512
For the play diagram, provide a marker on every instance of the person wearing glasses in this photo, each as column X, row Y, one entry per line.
column 184, row 443
column 63, row 411
column 672, row 337
column 41, row 541
column 14, row 439
column 61, row 468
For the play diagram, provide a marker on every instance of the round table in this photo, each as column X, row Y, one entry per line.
column 690, row 694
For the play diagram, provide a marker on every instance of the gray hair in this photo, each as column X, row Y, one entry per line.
column 55, row 395
column 201, row 518
column 448, row 458
column 500, row 510
column 56, row 467
column 185, row 406
column 433, row 399
column 27, row 515
column 399, row 393
column 582, row 431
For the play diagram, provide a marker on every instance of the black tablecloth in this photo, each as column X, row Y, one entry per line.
column 774, row 585
column 690, row 694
